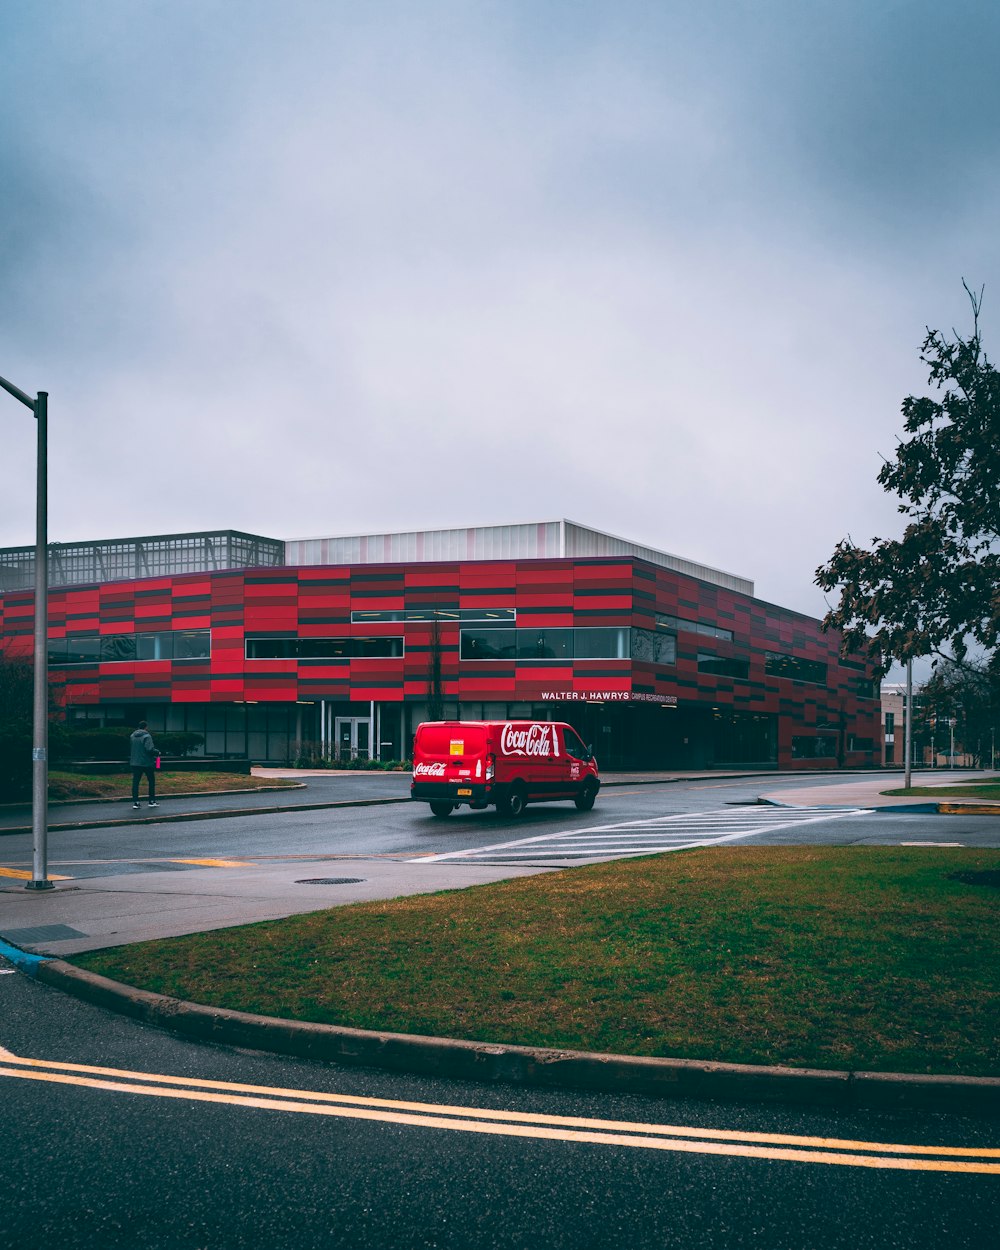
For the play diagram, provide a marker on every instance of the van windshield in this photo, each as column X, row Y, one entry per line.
column 451, row 741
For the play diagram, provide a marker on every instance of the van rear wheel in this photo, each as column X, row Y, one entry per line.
column 585, row 799
column 516, row 800
column 442, row 807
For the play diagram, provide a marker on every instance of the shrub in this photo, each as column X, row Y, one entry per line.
column 324, row 761
column 16, row 741
column 178, row 742
column 98, row 744
column 112, row 743
column 15, row 761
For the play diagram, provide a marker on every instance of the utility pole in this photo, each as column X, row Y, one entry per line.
column 40, row 717
column 908, row 729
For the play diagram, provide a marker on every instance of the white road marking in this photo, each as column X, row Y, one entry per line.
column 681, row 831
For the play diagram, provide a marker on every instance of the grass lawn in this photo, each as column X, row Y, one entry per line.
column 119, row 785
column 835, row 957
column 988, row 788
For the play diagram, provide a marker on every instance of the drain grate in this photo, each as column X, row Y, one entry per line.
column 330, row 881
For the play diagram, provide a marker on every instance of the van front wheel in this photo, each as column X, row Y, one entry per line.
column 442, row 808
column 585, row 799
column 516, row 801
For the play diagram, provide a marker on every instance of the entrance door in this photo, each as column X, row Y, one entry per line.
column 352, row 737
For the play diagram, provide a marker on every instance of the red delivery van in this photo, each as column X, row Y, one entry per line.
column 505, row 763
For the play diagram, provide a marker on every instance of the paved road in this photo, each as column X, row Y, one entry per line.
column 118, row 1136
column 324, row 788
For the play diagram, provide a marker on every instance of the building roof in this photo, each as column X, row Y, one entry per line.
column 527, row 541
column 151, row 555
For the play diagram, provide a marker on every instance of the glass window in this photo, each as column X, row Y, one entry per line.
column 192, row 644
column 866, row 689
column 544, row 644
column 653, row 648
column 118, row 647
column 488, row 644
column 270, row 648
column 819, row 747
column 597, row 643
column 602, row 642
column 323, row 648
column 890, row 722
column 724, row 666
column 573, row 746
column 694, row 627
column 154, row 647
column 83, row 650
column 493, row 616
column 57, row 652
column 776, row 664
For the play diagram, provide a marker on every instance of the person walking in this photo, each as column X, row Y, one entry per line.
column 142, row 758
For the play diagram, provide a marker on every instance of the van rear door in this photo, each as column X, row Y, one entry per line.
column 458, row 752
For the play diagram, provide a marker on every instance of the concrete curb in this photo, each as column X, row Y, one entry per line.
column 178, row 794
column 527, row 1065
column 968, row 809
column 904, row 809
column 220, row 813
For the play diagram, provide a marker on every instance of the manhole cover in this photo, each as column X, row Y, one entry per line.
column 330, row 881
column 989, row 876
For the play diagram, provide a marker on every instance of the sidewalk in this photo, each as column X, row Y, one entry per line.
column 866, row 791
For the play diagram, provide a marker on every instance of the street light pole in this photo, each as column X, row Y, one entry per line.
column 908, row 727
column 40, row 715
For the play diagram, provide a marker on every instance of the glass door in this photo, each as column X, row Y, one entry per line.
column 352, row 737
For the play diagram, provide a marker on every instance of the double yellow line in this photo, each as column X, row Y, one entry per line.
column 618, row 1133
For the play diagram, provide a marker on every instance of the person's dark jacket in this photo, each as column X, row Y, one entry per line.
column 142, row 753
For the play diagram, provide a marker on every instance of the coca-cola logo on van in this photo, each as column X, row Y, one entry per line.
column 535, row 740
column 429, row 770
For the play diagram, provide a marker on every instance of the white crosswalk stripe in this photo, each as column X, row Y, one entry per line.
column 647, row 837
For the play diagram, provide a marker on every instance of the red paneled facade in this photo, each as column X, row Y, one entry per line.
column 655, row 668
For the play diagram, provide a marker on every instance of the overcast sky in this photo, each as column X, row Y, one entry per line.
column 315, row 268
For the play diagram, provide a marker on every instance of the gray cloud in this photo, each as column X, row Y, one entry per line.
column 336, row 268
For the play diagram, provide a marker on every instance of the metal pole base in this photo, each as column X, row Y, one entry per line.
column 39, row 885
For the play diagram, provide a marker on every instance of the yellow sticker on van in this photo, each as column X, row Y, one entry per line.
column 457, row 746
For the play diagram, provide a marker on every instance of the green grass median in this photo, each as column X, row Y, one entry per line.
column 64, row 785
column 879, row 958
column 989, row 789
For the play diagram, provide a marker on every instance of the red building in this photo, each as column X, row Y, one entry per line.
column 657, row 667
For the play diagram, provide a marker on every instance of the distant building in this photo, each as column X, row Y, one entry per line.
column 340, row 646
column 893, row 699
column 934, row 744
